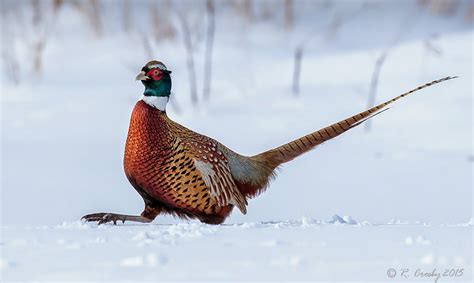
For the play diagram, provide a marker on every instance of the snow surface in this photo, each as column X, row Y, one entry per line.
column 305, row 249
column 406, row 184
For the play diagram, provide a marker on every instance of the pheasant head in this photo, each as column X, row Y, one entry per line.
column 156, row 78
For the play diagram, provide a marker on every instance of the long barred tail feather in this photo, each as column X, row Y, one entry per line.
column 287, row 152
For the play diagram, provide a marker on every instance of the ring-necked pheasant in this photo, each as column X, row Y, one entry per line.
column 189, row 175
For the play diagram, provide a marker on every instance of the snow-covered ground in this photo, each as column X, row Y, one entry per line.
column 407, row 182
column 276, row 250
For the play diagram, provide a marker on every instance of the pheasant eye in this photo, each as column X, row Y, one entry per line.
column 156, row 72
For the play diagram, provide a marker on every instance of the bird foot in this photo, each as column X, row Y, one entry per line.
column 102, row 218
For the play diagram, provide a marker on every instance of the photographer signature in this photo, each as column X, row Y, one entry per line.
column 420, row 273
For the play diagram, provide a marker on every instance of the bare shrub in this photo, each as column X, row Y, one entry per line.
column 211, row 23
column 188, row 44
column 440, row 7
column 163, row 28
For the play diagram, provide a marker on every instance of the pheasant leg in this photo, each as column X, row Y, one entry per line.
column 103, row 218
column 147, row 216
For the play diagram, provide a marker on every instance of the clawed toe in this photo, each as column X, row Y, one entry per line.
column 102, row 218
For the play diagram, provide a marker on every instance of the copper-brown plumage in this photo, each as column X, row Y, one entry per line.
column 189, row 175
column 160, row 161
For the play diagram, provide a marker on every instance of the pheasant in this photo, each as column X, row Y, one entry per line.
column 180, row 172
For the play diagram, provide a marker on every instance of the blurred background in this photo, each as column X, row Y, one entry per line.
column 253, row 75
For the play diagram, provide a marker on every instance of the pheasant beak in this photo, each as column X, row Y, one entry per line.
column 142, row 76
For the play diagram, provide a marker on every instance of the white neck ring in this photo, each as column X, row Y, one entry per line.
column 159, row 102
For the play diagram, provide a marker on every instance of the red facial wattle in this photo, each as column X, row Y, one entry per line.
column 155, row 74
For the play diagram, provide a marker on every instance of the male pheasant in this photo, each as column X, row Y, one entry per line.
column 186, row 174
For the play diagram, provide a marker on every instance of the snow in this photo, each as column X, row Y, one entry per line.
column 399, row 196
column 306, row 249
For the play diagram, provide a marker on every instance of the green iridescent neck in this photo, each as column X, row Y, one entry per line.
column 158, row 88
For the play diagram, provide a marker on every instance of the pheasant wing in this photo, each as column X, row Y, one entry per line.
column 215, row 172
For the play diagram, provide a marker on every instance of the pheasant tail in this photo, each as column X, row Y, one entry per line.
column 287, row 152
